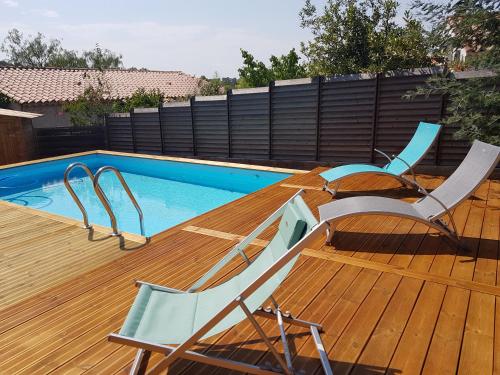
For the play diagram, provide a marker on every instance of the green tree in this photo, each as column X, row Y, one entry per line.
column 67, row 59
column 33, row 52
column 216, row 85
column 141, row 98
column 212, row 86
column 255, row 73
column 89, row 109
column 353, row 36
column 4, row 101
column 99, row 58
column 470, row 24
column 473, row 104
column 287, row 66
column 38, row 52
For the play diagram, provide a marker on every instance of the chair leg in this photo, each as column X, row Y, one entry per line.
column 323, row 356
column 286, row 348
column 140, row 363
column 315, row 329
column 260, row 331
column 329, row 233
column 451, row 234
column 333, row 191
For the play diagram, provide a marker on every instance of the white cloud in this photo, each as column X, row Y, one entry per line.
column 195, row 49
column 11, row 3
column 49, row 13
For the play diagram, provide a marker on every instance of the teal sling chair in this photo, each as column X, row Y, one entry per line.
column 170, row 321
column 423, row 139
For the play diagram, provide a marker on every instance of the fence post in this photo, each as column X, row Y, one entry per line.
column 106, row 131
column 318, row 80
column 270, row 152
column 160, row 106
column 132, row 130
column 375, row 117
column 229, row 94
column 191, row 102
column 34, row 134
column 437, row 160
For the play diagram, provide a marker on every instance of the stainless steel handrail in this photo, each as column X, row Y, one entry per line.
column 104, row 199
column 72, row 192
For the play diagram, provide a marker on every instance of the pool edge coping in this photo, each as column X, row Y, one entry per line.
column 160, row 157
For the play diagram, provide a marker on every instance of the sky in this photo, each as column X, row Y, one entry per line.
column 195, row 36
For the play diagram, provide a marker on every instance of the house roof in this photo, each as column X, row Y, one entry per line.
column 41, row 85
column 12, row 113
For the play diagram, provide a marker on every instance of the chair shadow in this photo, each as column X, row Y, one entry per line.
column 396, row 193
column 93, row 237
column 302, row 364
column 435, row 242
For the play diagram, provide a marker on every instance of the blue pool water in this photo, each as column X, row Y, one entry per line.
column 168, row 192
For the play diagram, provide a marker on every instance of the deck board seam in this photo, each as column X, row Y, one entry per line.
column 376, row 266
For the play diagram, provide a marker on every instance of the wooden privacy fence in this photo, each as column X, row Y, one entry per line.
column 68, row 140
column 16, row 143
column 327, row 119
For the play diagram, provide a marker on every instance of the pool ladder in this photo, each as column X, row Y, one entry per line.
column 100, row 194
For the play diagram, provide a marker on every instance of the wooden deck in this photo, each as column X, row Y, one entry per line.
column 39, row 250
column 393, row 296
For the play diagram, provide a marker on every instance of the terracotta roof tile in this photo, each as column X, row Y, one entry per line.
column 33, row 85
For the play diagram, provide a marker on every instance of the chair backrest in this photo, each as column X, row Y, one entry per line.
column 424, row 137
column 296, row 222
column 480, row 161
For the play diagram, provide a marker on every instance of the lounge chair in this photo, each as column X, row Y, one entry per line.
column 161, row 315
column 424, row 137
column 480, row 161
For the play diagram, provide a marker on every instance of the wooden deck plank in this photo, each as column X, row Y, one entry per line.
column 37, row 253
column 478, row 342
column 393, row 296
column 410, row 353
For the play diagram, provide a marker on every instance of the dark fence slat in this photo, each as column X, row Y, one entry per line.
column 147, row 132
column 397, row 118
column 120, row 133
column 249, row 117
column 330, row 119
column 294, row 113
column 177, row 130
column 211, row 127
column 68, row 140
column 348, row 126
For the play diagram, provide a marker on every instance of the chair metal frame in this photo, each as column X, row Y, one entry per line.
column 404, row 181
column 400, row 178
column 434, row 218
column 145, row 348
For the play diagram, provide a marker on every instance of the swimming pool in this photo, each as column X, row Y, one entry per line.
column 169, row 192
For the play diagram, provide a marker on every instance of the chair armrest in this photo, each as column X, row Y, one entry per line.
column 446, row 210
column 409, row 168
column 158, row 287
column 383, row 154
